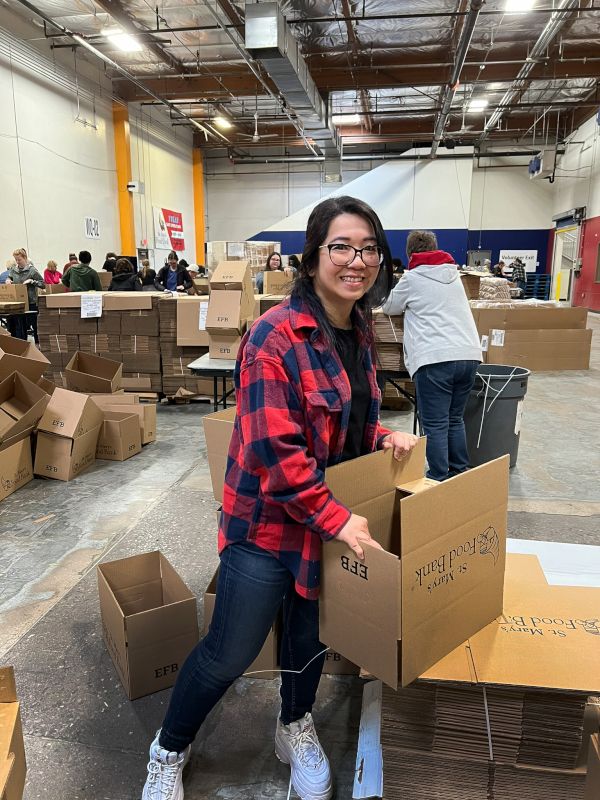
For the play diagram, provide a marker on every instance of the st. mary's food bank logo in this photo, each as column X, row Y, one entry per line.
column 455, row 562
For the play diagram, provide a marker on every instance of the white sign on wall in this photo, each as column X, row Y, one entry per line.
column 91, row 227
column 528, row 257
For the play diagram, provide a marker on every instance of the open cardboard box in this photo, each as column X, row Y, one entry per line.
column 120, row 436
column 149, row 621
column 14, row 293
column 191, row 321
column 89, row 373
column 22, row 404
column 70, row 414
column 13, row 767
column 17, row 355
column 16, row 467
column 218, row 428
column 440, row 573
column 129, row 404
column 275, row 282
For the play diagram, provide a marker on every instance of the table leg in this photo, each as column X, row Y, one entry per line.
column 215, row 393
column 224, row 392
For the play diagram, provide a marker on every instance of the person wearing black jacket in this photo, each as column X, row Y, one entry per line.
column 124, row 278
column 172, row 277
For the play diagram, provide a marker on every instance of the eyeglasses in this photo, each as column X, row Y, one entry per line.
column 342, row 255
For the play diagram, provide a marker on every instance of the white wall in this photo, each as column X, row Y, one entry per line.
column 578, row 172
column 504, row 198
column 55, row 170
column 162, row 159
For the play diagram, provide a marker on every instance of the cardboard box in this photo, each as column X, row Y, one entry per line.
column 528, row 318
column 16, row 470
column 224, row 347
column 276, row 282
column 120, row 436
column 232, row 275
column 46, row 385
column 55, row 288
column 191, row 321
column 539, row 350
column 592, row 783
column 110, row 323
column 128, row 403
column 141, row 362
column 105, row 279
column 86, row 372
column 140, row 383
column 267, row 661
column 546, row 637
column 127, row 301
column 17, row 355
column 201, row 285
column 471, row 282
column 22, row 404
column 227, row 313
column 13, row 767
column 149, row 621
column 62, row 458
column 70, row 414
column 268, row 301
column 440, row 573
column 14, row 293
column 218, row 428
column 336, row 664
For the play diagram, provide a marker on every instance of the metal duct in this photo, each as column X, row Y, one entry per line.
column 461, row 56
column 271, row 43
column 552, row 28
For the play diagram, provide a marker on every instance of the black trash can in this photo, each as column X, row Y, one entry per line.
column 494, row 411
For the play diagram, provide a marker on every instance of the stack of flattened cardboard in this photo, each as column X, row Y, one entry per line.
column 389, row 338
column 538, row 337
column 67, row 436
column 183, row 339
column 230, row 307
column 13, row 767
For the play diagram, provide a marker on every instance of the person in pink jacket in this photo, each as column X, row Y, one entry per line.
column 51, row 273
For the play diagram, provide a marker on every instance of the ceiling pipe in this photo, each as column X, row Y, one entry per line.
column 461, row 56
column 553, row 27
column 401, row 156
column 207, row 130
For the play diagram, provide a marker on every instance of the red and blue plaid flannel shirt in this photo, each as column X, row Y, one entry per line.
column 293, row 408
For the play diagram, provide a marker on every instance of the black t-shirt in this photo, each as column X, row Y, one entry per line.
column 348, row 350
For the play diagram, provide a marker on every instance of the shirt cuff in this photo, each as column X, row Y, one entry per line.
column 331, row 519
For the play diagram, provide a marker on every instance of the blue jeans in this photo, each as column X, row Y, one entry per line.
column 251, row 587
column 442, row 394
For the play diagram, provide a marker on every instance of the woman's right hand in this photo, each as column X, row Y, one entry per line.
column 355, row 533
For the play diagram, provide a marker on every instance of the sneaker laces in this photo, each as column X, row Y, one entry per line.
column 161, row 778
column 307, row 747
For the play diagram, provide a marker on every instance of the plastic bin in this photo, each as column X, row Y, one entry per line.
column 494, row 412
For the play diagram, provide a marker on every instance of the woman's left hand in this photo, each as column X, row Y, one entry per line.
column 401, row 442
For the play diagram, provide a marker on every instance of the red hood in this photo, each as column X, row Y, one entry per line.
column 431, row 257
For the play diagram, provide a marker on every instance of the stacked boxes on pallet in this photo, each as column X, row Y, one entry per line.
column 183, row 339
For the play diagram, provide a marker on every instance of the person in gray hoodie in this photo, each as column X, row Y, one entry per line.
column 441, row 349
column 24, row 272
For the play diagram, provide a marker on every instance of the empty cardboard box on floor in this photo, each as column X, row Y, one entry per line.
column 16, row 468
column 70, row 414
column 22, row 404
column 218, row 428
column 268, row 658
column 129, row 404
column 440, row 573
column 63, row 458
column 120, row 437
column 13, row 767
column 191, row 322
column 89, row 373
column 149, row 621
column 17, row 355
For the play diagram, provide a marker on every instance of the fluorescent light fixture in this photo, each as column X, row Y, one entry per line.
column 519, row 6
column 223, row 123
column 478, row 104
column 345, row 119
column 124, row 41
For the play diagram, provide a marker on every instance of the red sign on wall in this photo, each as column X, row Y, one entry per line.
column 168, row 229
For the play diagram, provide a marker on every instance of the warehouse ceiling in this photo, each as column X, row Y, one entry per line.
column 392, row 73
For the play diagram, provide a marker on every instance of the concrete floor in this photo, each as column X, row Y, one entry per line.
column 84, row 739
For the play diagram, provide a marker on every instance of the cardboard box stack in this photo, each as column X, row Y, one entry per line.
column 389, row 339
column 13, row 767
column 231, row 305
column 536, row 335
column 183, row 339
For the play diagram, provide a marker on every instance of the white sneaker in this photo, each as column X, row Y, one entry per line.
column 164, row 773
column 297, row 744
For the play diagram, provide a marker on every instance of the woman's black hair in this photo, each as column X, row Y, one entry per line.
column 123, row 265
column 183, row 263
column 294, row 261
column 317, row 229
column 172, row 256
column 268, row 264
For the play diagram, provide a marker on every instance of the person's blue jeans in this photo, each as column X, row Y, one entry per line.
column 251, row 587
column 442, row 394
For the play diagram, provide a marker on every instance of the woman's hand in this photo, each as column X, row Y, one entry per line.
column 355, row 533
column 180, row 289
column 28, row 281
column 401, row 442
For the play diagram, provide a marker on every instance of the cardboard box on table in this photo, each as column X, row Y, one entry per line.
column 218, row 428
column 228, row 312
column 14, row 293
column 129, row 404
column 67, row 435
column 13, row 767
column 86, row 372
column 267, row 661
column 149, row 621
column 17, row 355
column 22, row 404
column 120, row 436
column 440, row 573
column 191, row 321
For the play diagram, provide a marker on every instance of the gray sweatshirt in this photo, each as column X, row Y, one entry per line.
column 438, row 323
column 21, row 275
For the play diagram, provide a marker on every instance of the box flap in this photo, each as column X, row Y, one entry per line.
column 453, row 543
column 70, row 414
column 126, row 572
column 362, row 479
column 22, row 404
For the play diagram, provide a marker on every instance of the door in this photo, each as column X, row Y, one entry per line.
column 564, row 256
